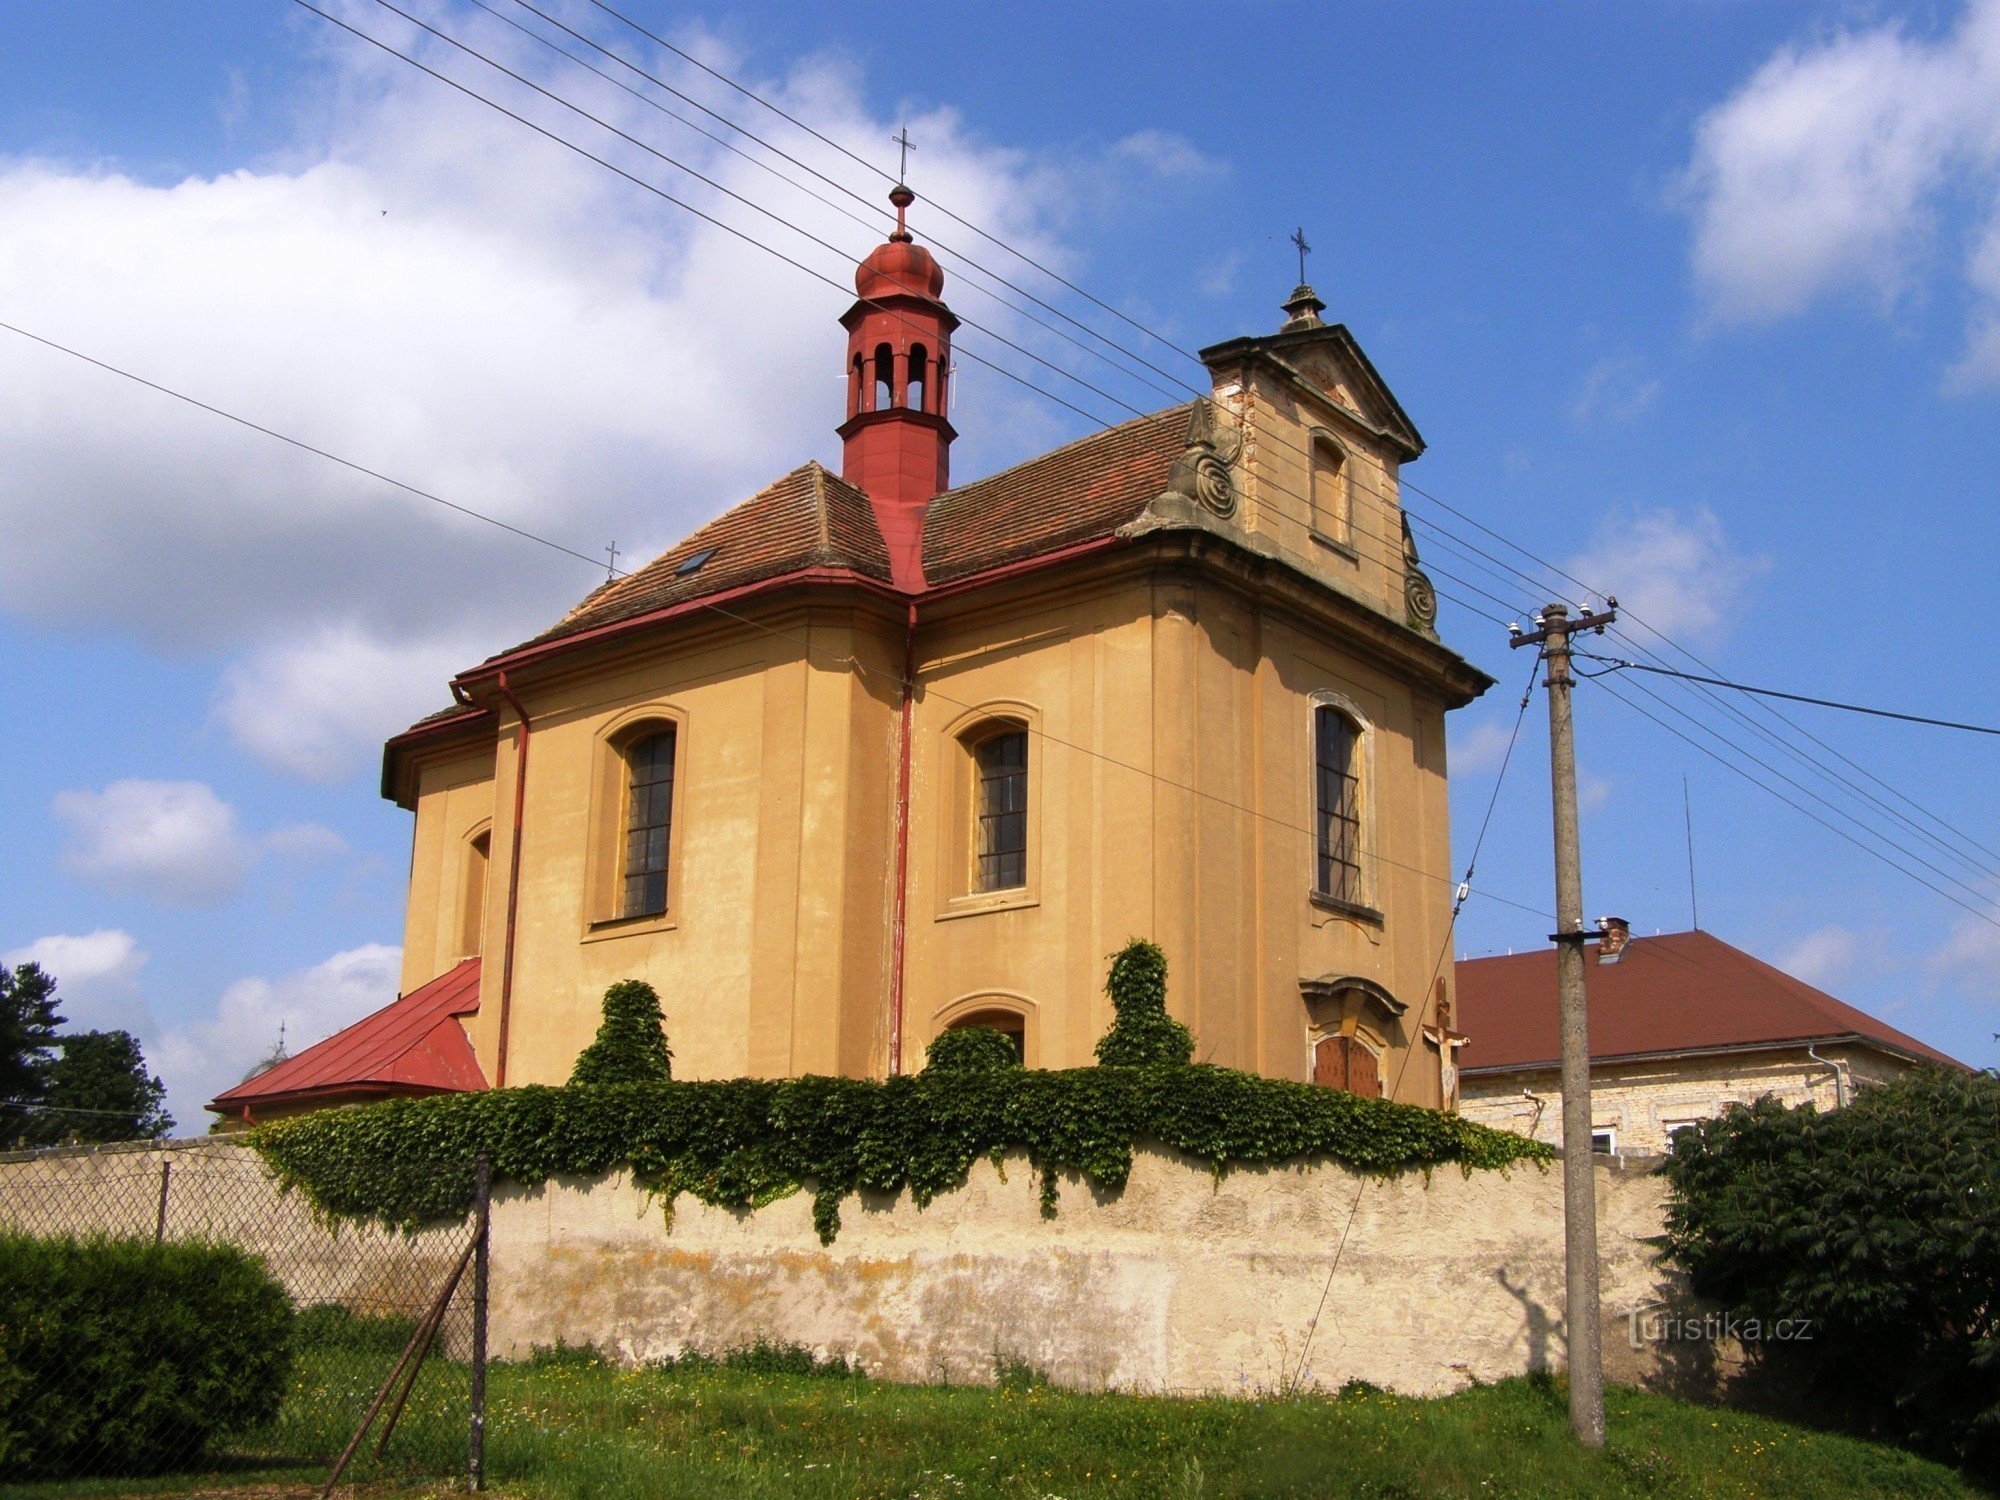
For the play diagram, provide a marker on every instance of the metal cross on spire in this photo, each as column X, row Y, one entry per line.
column 1298, row 237
column 903, row 167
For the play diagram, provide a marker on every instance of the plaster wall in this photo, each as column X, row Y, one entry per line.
column 1178, row 1283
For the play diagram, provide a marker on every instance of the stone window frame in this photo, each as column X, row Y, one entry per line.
column 475, row 867
column 967, row 1010
column 610, row 789
column 958, row 863
column 1368, row 907
column 1323, row 442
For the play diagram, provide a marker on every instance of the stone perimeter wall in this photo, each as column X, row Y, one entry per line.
column 1179, row 1283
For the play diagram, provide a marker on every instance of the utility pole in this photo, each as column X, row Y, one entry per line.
column 1580, row 1315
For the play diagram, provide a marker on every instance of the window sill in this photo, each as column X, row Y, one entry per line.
column 1354, row 909
column 989, row 901
column 618, row 927
column 1334, row 544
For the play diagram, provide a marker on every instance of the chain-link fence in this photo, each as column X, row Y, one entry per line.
column 383, row 1327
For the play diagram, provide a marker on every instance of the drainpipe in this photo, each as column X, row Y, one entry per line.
column 901, row 897
column 521, row 732
column 1840, row 1084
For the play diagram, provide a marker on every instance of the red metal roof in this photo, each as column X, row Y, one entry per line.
column 1683, row 992
column 411, row 1046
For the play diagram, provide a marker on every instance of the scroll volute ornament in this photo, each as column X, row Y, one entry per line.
column 1202, row 474
column 1420, row 600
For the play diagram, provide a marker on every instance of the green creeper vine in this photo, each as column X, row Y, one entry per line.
column 747, row 1142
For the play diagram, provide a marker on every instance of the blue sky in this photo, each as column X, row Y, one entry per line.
column 1697, row 300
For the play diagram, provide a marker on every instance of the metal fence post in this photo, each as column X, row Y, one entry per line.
column 475, row 1469
column 160, row 1218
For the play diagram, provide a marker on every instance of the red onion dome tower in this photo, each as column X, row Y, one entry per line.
column 896, row 441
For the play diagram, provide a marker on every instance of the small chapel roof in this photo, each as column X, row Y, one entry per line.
column 414, row 1045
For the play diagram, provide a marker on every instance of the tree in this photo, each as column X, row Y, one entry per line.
column 631, row 1044
column 28, row 1023
column 101, row 1078
column 1865, row 1244
column 1142, row 1033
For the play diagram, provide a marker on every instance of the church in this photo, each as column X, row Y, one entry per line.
column 872, row 755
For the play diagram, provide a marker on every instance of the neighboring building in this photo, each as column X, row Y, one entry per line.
column 1681, row 1027
column 1178, row 679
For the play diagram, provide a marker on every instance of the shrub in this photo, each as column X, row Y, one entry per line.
column 970, row 1049
column 127, row 1355
column 765, row 1357
column 1142, row 1034
column 631, row 1043
column 1879, row 1223
column 328, row 1325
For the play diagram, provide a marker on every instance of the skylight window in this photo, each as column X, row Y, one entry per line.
column 692, row 563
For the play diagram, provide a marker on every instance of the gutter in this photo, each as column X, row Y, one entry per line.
column 1842, row 1089
column 521, row 733
column 900, row 895
column 1850, row 1038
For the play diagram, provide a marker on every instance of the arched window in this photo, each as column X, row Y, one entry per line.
column 472, row 894
column 1337, row 804
column 1000, row 811
column 649, row 807
column 859, row 389
column 885, row 377
column 1009, row 1023
column 919, row 373
column 1329, row 481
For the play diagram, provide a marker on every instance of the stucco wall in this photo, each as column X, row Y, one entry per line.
column 1645, row 1102
column 1179, row 1283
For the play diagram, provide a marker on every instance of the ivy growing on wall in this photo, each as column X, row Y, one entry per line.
column 745, row 1142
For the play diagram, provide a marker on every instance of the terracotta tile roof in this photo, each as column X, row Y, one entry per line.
column 412, row 1046
column 1076, row 493
column 811, row 518
column 1687, row 991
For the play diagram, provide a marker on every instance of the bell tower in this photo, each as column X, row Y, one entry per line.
column 896, row 441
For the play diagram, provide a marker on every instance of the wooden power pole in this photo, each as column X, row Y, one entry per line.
column 1580, row 1315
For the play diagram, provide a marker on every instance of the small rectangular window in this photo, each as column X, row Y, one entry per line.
column 1338, row 798
column 1002, row 846
column 1604, row 1140
column 648, row 825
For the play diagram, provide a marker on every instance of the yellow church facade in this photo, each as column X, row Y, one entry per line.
column 871, row 756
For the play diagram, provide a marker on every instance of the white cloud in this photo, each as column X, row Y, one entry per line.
column 199, row 1059
column 432, row 290
column 1972, row 949
column 1478, row 749
column 320, row 705
column 1677, row 573
column 1615, row 389
column 1824, row 956
column 175, row 840
column 96, row 977
column 1833, row 166
column 1593, row 793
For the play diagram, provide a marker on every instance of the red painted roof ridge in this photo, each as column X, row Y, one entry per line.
column 415, row 1040
column 1680, row 992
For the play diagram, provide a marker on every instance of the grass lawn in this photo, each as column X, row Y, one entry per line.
column 575, row 1428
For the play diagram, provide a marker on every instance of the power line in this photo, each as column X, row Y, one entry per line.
column 1423, row 1006
column 874, row 208
column 863, row 161
column 303, row 446
column 801, row 641
column 1983, row 916
column 1619, row 664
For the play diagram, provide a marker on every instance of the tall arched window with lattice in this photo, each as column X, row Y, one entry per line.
column 1337, row 791
column 649, row 813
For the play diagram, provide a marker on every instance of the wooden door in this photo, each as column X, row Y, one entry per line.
column 1340, row 1062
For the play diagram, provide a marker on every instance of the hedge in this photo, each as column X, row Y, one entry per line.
column 121, row 1355
column 747, row 1142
